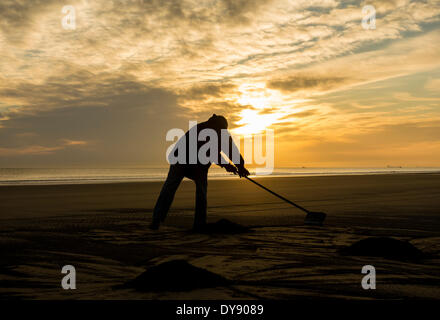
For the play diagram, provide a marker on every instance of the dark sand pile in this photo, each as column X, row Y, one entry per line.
column 176, row 275
column 224, row 226
column 384, row 247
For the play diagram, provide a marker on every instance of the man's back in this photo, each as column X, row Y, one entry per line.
column 213, row 137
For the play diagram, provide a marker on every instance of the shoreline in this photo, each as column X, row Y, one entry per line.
column 341, row 196
column 215, row 177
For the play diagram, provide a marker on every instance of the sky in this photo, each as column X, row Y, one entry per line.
column 105, row 92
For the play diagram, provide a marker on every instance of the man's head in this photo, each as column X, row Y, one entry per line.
column 218, row 122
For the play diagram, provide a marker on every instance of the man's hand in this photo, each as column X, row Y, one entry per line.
column 230, row 168
column 242, row 171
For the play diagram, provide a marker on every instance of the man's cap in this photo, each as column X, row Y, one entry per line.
column 218, row 122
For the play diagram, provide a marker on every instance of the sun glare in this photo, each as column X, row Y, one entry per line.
column 252, row 122
column 264, row 107
column 256, row 96
column 261, row 111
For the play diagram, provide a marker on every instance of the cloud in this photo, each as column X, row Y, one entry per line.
column 38, row 149
column 133, row 69
column 237, row 11
column 19, row 16
column 29, row 150
column 301, row 114
column 405, row 96
column 80, row 88
column 385, row 145
column 269, row 111
column 116, row 113
column 305, row 82
column 433, row 84
column 203, row 91
column 68, row 142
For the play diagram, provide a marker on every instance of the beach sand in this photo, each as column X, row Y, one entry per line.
column 102, row 230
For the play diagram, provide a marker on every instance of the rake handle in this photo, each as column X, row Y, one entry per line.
column 277, row 195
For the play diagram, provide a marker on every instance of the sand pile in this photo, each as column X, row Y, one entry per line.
column 176, row 275
column 384, row 247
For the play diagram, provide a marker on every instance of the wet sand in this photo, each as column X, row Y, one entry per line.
column 102, row 230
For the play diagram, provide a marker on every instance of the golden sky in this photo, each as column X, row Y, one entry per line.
column 106, row 92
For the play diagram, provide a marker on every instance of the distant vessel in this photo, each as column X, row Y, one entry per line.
column 394, row 167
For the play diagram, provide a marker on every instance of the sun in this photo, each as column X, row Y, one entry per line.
column 259, row 109
column 252, row 122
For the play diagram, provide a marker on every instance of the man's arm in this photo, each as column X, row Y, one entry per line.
column 233, row 153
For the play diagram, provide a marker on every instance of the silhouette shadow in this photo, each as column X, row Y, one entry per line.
column 223, row 226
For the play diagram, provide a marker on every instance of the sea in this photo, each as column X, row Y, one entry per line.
column 48, row 176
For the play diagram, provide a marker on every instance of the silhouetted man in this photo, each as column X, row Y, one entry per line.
column 189, row 164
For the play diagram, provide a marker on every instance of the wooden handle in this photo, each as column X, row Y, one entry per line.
column 277, row 195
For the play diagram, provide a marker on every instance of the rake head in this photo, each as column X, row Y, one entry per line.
column 315, row 218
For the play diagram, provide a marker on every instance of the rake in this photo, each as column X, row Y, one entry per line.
column 312, row 218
